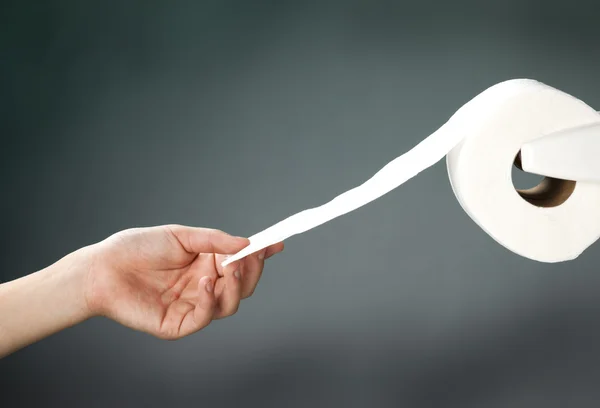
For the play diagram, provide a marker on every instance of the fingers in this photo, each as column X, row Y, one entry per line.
column 205, row 240
column 274, row 249
column 221, row 298
column 230, row 295
column 204, row 310
column 253, row 267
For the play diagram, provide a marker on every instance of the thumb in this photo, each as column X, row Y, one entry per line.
column 205, row 240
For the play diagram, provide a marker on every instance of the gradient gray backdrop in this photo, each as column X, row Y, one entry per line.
column 236, row 114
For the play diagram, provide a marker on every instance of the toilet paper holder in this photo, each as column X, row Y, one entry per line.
column 570, row 154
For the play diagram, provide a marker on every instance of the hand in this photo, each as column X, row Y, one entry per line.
column 168, row 280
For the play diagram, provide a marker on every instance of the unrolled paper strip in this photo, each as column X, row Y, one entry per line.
column 425, row 154
column 518, row 98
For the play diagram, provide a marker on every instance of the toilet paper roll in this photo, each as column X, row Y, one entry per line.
column 554, row 222
column 557, row 220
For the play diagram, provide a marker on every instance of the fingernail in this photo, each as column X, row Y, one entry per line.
column 261, row 255
column 237, row 274
column 208, row 284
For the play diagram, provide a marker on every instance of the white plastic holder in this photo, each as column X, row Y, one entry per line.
column 571, row 154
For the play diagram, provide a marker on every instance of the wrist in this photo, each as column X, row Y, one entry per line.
column 83, row 270
column 69, row 276
column 92, row 260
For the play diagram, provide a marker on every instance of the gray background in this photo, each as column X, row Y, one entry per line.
column 236, row 114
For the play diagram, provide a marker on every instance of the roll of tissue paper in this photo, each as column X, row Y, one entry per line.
column 553, row 222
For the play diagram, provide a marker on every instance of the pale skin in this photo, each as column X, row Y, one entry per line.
column 166, row 281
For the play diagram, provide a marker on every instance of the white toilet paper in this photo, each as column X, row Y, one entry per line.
column 481, row 139
column 480, row 173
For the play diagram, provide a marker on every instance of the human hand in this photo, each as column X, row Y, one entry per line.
column 168, row 280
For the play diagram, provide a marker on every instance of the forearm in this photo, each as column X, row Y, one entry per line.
column 43, row 303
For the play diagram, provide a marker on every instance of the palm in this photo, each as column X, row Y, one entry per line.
column 152, row 283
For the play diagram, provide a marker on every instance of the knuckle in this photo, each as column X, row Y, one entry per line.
column 213, row 232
